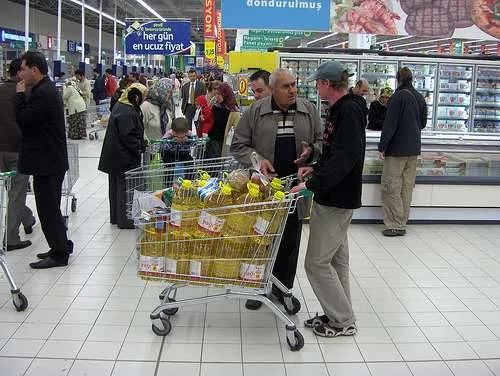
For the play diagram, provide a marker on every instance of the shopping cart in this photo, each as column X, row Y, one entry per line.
column 69, row 181
column 195, row 147
column 97, row 118
column 20, row 301
column 202, row 247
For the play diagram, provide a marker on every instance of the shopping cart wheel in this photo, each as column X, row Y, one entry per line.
column 171, row 311
column 91, row 136
column 73, row 204
column 96, row 136
column 162, row 332
column 299, row 341
column 292, row 305
column 20, row 301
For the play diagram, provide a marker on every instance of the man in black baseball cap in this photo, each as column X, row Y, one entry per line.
column 336, row 183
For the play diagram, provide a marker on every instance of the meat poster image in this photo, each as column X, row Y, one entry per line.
column 429, row 18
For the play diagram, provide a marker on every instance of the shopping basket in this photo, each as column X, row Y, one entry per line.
column 196, row 148
column 19, row 300
column 97, row 118
column 201, row 247
column 70, row 179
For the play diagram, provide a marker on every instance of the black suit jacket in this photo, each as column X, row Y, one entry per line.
column 198, row 90
column 41, row 119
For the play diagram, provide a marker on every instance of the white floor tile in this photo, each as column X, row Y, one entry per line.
column 341, row 353
column 441, row 334
column 227, row 335
column 476, row 333
column 177, row 352
column 91, row 367
column 221, row 369
column 14, row 366
column 111, row 333
column 139, row 351
column 469, row 367
column 100, row 350
column 417, row 352
column 379, row 352
column 34, row 331
column 486, row 349
column 126, row 368
column 142, row 334
column 306, row 369
column 71, row 332
column 410, row 334
column 115, row 318
column 44, row 367
column 22, row 347
column 429, row 368
column 60, row 349
column 308, row 354
column 220, row 320
column 348, row 369
column 185, row 334
column 262, row 353
column 454, row 350
column 389, row 369
column 221, row 353
column 494, row 366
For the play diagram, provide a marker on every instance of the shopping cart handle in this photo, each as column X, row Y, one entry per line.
column 6, row 174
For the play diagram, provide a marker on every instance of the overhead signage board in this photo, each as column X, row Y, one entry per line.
column 210, row 49
column 158, row 38
column 436, row 18
column 16, row 38
column 276, row 14
column 209, row 20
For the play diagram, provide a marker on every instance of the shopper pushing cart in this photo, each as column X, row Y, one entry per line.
column 19, row 300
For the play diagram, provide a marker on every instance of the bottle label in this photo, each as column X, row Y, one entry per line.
column 195, row 268
column 145, row 263
column 158, row 265
column 210, row 222
column 175, row 217
column 171, row 266
column 250, row 272
column 260, row 226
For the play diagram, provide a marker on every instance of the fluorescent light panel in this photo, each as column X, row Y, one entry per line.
column 337, row 44
column 393, row 40
column 98, row 12
column 151, row 10
column 318, row 39
column 421, row 42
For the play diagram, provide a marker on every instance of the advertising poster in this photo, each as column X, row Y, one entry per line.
column 158, row 38
column 209, row 20
column 425, row 18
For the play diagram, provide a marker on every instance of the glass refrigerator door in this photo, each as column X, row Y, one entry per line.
column 487, row 101
column 379, row 75
column 303, row 68
column 424, row 82
column 454, row 98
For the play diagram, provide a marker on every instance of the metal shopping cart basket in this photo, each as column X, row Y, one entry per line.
column 195, row 148
column 19, row 300
column 70, row 179
column 232, row 247
column 97, row 118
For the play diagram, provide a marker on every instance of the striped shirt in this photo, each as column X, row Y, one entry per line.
column 285, row 150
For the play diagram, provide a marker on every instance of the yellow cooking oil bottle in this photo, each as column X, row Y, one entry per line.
column 180, row 228
column 265, row 228
column 236, row 235
column 207, row 236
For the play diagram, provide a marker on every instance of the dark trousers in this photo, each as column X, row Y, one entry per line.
column 189, row 112
column 48, row 204
column 285, row 266
column 213, row 149
column 118, row 201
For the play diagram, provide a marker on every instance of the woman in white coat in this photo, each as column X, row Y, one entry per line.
column 76, row 110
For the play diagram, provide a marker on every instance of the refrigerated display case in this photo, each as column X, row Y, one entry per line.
column 425, row 83
column 379, row 75
column 454, row 98
column 487, row 100
column 303, row 68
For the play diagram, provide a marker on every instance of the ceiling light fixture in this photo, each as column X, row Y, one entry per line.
column 98, row 12
column 321, row 38
column 394, row 40
column 151, row 10
column 337, row 44
column 421, row 42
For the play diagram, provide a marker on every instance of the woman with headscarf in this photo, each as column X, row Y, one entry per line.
column 226, row 115
column 122, row 85
column 76, row 110
column 122, row 148
column 157, row 109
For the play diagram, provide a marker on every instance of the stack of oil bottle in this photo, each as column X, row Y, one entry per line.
column 214, row 231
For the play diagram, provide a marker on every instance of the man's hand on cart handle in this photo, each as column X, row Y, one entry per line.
column 298, row 188
column 381, row 155
column 304, row 173
column 306, row 152
column 266, row 168
column 21, row 87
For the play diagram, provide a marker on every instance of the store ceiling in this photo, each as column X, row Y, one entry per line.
column 193, row 9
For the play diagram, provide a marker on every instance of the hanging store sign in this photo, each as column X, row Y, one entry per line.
column 210, row 49
column 16, row 38
column 158, row 38
column 209, row 20
column 220, row 36
column 276, row 14
column 430, row 18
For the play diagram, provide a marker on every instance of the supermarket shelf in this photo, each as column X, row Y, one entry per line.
column 486, row 78
column 376, row 75
column 486, row 104
column 454, row 91
column 452, row 118
column 497, row 118
column 487, row 90
column 464, row 105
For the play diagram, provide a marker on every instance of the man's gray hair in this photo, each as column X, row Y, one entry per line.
column 278, row 72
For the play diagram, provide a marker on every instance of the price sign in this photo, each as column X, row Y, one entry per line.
column 210, row 49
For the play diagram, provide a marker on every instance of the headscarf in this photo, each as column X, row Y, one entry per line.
column 124, row 98
column 228, row 97
column 74, row 83
column 160, row 95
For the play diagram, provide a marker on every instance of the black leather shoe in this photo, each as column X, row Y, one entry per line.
column 253, row 304
column 393, row 232
column 47, row 263
column 29, row 229
column 44, row 255
column 21, row 245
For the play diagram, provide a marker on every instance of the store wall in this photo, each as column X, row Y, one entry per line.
column 46, row 24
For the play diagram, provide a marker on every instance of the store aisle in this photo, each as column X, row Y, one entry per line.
column 427, row 304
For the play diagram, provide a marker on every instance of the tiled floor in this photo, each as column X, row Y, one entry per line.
column 427, row 304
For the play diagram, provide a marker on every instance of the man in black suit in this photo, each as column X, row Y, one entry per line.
column 44, row 153
column 190, row 91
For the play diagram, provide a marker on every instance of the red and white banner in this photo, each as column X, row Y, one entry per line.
column 220, row 35
column 209, row 20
